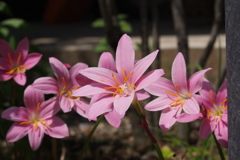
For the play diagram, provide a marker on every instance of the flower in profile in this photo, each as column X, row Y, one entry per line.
column 14, row 64
column 67, row 81
column 214, row 113
column 176, row 96
column 35, row 119
column 121, row 80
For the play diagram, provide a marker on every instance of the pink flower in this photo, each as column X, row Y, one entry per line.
column 177, row 95
column 14, row 64
column 66, row 83
column 122, row 80
column 214, row 113
column 35, row 119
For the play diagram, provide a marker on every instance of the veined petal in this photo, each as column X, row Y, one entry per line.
column 149, row 78
column 20, row 78
column 158, row 104
column 142, row 95
column 81, row 107
column 17, row 131
column 22, row 49
column 5, row 64
column 59, row 69
column 101, row 106
column 222, row 93
column 48, row 108
column 205, row 128
column 185, row 118
column 65, row 104
column 195, row 82
column 221, row 133
column 142, row 65
column 204, row 102
column 32, row 59
column 32, row 98
column 191, row 106
column 5, row 49
column 35, row 137
column 74, row 71
column 206, row 89
column 46, row 85
column 169, row 117
column 179, row 76
column 113, row 118
column 15, row 114
column 88, row 90
column 57, row 129
column 159, row 87
column 106, row 60
column 125, row 55
column 4, row 76
column 121, row 104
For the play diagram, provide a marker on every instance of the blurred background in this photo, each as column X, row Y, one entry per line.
column 79, row 31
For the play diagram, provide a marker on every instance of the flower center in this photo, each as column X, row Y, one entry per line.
column 67, row 92
column 122, row 89
column 34, row 119
column 16, row 68
column 178, row 98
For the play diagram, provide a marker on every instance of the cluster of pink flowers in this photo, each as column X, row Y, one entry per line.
column 111, row 88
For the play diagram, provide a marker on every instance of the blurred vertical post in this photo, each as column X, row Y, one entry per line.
column 144, row 27
column 232, row 25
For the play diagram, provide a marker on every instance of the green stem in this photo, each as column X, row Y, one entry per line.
column 90, row 136
column 218, row 147
column 54, row 149
column 145, row 126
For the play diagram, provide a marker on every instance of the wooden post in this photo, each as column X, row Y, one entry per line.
column 232, row 24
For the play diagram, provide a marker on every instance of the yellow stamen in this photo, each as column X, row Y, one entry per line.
column 18, row 69
column 64, row 83
column 113, row 77
column 10, row 58
column 37, row 108
column 171, row 93
column 224, row 101
column 211, row 97
column 19, row 57
column 25, row 122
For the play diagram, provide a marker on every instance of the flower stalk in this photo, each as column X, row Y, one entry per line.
column 220, row 151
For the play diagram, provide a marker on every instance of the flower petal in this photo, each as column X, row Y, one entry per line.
column 142, row 95
column 185, row 118
column 222, row 93
column 19, row 114
column 142, row 65
column 149, row 78
column 113, row 118
column 195, row 82
column 5, row 49
column 88, row 90
column 121, row 104
column 169, row 117
column 191, row 106
column 205, row 128
column 32, row 59
column 206, row 89
column 35, row 137
column 4, row 76
column 16, row 132
column 66, row 104
column 57, row 129
column 20, row 78
column 22, row 48
column 46, row 85
column 74, row 71
column 48, row 108
column 81, row 107
column 106, row 60
column 125, row 55
column 158, row 104
column 221, row 133
column 179, row 76
column 59, row 69
column 5, row 65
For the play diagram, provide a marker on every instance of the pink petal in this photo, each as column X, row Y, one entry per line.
column 169, row 117
column 35, row 137
column 5, row 49
column 32, row 98
column 102, row 106
column 205, row 128
column 59, row 69
column 113, row 118
column 20, row 78
column 15, row 114
column 149, row 78
column 142, row 95
column 121, row 104
column 101, row 75
column 82, row 80
column 195, row 82
column 225, row 118
column 57, row 129
column 22, row 48
column 74, row 71
column 185, row 118
column 5, row 65
column 158, row 104
column 81, row 107
column 65, row 104
column 89, row 90
column 46, row 85
column 106, row 61
column 221, row 133
column 125, row 55
column 204, row 102
column 159, row 87
column 32, row 59
column 16, row 132
column 142, row 65
column 48, row 108
column 222, row 93
column 179, row 76
column 191, row 106
column 206, row 89
column 4, row 76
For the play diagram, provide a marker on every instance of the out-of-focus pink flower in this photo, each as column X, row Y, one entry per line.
column 120, row 80
column 177, row 95
column 66, row 83
column 214, row 113
column 35, row 119
column 14, row 64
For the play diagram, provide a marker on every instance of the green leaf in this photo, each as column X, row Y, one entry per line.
column 5, row 9
column 102, row 46
column 4, row 31
column 122, row 16
column 98, row 23
column 125, row 26
column 12, row 41
column 15, row 23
